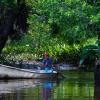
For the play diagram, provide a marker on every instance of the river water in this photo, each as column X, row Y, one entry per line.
column 75, row 86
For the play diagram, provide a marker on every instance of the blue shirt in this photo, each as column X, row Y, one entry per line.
column 47, row 62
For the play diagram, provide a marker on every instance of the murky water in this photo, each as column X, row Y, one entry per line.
column 76, row 86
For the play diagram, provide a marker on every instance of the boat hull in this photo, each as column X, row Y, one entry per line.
column 12, row 72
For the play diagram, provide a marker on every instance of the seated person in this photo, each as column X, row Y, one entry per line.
column 47, row 61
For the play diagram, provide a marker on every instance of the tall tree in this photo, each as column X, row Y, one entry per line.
column 13, row 20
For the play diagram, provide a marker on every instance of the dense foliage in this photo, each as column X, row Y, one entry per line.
column 61, row 27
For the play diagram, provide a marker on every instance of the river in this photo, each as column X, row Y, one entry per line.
column 75, row 86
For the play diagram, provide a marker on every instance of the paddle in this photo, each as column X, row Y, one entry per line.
column 59, row 74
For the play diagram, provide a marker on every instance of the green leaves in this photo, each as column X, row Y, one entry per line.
column 69, row 19
column 8, row 2
column 89, row 53
column 61, row 27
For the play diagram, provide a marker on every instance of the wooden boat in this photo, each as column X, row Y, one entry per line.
column 13, row 72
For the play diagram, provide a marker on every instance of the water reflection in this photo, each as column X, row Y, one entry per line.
column 47, row 90
column 13, row 85
column 97, row 93
column 74, row 90
column 67, row 89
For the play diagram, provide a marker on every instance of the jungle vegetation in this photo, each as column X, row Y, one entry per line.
column 63, row 28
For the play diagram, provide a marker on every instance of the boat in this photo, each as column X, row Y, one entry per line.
column 7, row 72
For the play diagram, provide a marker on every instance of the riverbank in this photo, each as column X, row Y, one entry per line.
column 33, row 64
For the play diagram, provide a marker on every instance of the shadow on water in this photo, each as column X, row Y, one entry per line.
column 97, row 83
column 97, row 93
column 66, row 89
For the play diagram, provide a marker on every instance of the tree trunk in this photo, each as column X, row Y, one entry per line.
column 2, row 42
column 10, row 19
column 6, row 27
column 22, row 15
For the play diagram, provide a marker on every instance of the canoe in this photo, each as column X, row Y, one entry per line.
column 13, row 72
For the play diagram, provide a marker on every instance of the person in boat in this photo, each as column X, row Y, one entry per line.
column 47, row 61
